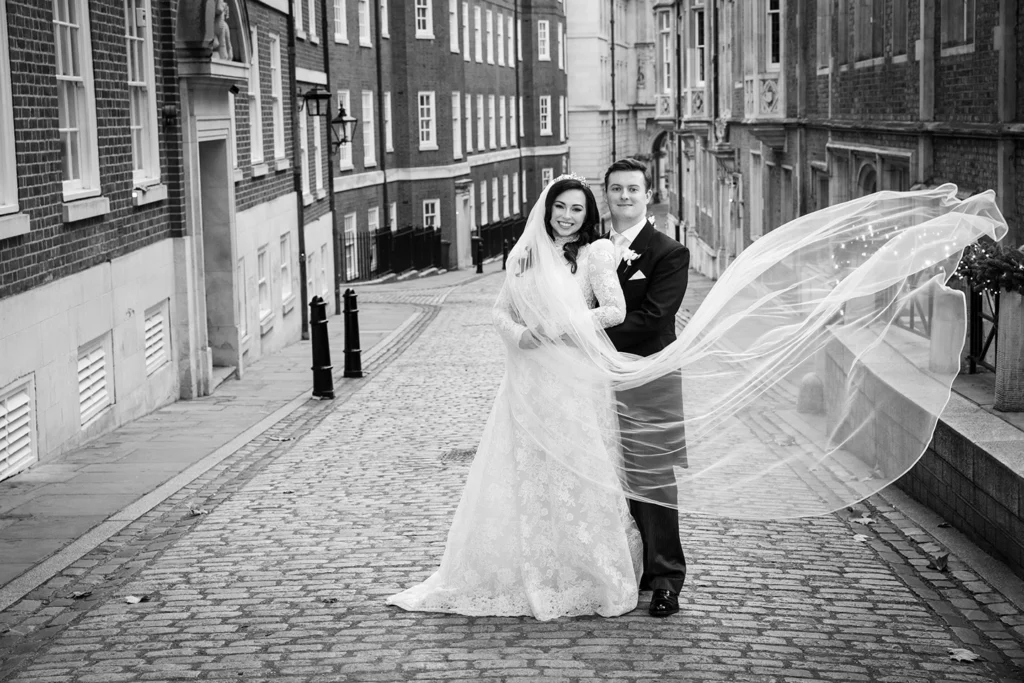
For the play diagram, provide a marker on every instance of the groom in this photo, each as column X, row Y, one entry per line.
column 653, row 273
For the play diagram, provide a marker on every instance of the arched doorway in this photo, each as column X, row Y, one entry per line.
column 867, row 180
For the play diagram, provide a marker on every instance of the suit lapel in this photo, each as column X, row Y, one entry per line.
column 639, row 245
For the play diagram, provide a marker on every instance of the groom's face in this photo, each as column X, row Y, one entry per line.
column 627, row 197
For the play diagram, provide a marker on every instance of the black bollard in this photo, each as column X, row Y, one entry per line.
column 323, row 381
column 504, row 254
column 479, row 254
column 353, row 359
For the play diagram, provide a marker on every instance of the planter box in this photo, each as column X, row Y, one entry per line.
column 1010, row 353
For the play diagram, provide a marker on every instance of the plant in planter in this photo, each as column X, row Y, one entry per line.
column 1001, row 269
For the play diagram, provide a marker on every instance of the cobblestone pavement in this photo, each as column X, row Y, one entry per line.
column 313, row 525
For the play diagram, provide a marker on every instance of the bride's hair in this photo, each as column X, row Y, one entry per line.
column 589, row 231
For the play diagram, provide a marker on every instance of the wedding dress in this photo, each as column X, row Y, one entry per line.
column 532, row 534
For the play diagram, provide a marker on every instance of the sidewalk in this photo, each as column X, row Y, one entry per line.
column 54, row 505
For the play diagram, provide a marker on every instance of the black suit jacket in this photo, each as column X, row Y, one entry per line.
column 653, row 301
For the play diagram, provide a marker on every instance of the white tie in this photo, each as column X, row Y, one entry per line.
column 620, row 241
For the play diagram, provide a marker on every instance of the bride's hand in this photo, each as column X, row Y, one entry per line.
column 529, row 340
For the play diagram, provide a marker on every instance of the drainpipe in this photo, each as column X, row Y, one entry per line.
column 297, row 173
column 336, row 256
column 519, row 118
column 678, row 124
column 379, row 123
column 614, row 112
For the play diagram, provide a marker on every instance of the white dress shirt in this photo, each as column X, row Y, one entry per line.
column 623, row 239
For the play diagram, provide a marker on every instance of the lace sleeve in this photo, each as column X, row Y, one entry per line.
column 505, row 320
column 611, row 304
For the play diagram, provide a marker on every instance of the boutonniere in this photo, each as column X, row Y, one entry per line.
column 628, row 255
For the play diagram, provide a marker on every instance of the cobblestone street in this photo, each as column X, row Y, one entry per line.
column 315, row 522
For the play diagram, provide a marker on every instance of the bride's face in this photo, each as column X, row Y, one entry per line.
column 568, row 213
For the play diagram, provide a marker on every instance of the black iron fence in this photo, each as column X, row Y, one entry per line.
column 369, row 255
column 495, row 234
column 983, row 314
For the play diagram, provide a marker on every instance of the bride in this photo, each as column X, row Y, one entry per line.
column 807, row 391
column 532, row 535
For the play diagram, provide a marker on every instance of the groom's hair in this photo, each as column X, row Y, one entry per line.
column 629, row 164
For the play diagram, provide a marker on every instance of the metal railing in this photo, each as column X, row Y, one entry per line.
column 981, row 332
column 494, row 234
column 368, row 255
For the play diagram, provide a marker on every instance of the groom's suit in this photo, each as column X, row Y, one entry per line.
column 652, row 300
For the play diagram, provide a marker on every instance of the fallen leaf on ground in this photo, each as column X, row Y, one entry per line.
column 959, row 654
column 79, row 595
column 136, row 599
column 864, row 519
column 330, row 601
column 195, row 510
column 939, row 562
column 945, row 525
column 860, row 537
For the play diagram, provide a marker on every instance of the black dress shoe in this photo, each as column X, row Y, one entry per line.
column 664, row 603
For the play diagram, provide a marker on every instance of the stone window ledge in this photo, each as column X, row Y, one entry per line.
column 14, row 225
column 259, row 170
column 86, row 208
column 149, row 194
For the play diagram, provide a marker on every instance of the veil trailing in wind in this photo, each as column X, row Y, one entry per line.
column 812, row 375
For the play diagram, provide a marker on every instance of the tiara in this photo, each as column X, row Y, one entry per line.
column 573, row 176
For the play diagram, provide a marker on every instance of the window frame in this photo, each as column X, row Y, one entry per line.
column 544, row 115
column 502, row 122
column 255, row 97
column 823, row 45
column 499, row 24
column 87, row 184
column 434, row 215
column 263, row 284
column 559, row 46
column 466, row 55
column 543, row 40
column 341, row 21
column 318, row 161
column 965, row 40
column 505, row 200
column 495, row 199
column 424, row 29
column 478, row 33
column 456, row 124
column 8, row 157
column 511, row 39
column 492, row 122
column 430, row 143
column 149, row 168
column 481, row 134
column 369, row 129
column 385, row 20
column 304, row 157
column 345, row 160
column 516, row 206
column 489, row 24
column 311, row 21
column 365, row 27
column 277, row 97
column 770, row 63
column 389, row 136
column 453, row 26
column 285, row 268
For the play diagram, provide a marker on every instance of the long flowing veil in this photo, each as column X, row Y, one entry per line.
column 811, row 377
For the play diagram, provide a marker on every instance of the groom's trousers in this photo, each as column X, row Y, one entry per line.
column 653, row 444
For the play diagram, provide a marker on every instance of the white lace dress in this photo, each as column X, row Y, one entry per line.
column 530, row 537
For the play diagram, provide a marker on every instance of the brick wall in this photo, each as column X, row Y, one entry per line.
column 256, row 190
column 53, row 249
column 967, row 85
column 970, row 163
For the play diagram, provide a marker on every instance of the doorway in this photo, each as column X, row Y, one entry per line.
column 218, row 259
column 464, row 229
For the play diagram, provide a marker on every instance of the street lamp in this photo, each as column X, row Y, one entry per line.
column 317, row 102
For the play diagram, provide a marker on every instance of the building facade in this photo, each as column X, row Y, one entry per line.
column 149, row 207
column 461, row 118
column 620, row 103
column 786, row 107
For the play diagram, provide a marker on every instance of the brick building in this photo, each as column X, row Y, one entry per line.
column 786, row 107
column 461, row 117
column 149, row 206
